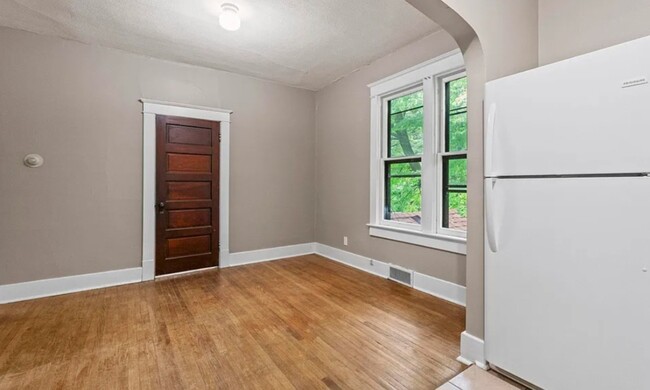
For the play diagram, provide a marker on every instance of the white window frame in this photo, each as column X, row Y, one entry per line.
column 429, row 77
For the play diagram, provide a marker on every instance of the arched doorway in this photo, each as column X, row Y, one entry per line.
column 497, row 38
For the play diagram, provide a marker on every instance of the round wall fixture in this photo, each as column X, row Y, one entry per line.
column 33, row 160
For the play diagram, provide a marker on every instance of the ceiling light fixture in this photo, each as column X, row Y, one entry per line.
column 229, row 17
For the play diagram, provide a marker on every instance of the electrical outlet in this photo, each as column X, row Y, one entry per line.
column 372, row 262
column 345, row 240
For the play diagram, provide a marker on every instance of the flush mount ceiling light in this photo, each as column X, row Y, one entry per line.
column 229, row 17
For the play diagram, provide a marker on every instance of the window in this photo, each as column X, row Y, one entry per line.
column 419, row 155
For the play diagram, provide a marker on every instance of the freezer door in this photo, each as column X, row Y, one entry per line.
column 567, row 292
column 588, row 114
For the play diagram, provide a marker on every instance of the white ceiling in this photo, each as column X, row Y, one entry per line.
column 303, row 43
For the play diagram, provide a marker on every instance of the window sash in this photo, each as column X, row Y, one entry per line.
column 442, row 153
column 449, row 112
column 445, row 111
column 387, row 185
column 447, row 189
column 385, row 117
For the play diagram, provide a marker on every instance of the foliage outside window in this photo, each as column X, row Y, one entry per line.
column 454, row 155
column 419, row 138
column 403, row 168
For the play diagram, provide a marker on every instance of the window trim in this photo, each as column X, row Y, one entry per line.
column 423, row 76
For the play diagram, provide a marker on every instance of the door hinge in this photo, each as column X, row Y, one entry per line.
column 219, row 137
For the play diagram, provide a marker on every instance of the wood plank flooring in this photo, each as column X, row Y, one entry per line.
column 304, row 323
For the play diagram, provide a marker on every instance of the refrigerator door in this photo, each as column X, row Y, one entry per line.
column 588, row 114
column 567, row 273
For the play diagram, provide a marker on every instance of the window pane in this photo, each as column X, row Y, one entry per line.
column 405, row 118
column 455, row 193
column 456, row 216
column 457, row 132
column 456, row 168
column 456, row 115
column 457, row 94
column 403, row 191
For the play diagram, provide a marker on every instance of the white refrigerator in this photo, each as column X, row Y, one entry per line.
column 567, row 219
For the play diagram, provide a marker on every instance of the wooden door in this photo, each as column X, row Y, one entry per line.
column 187, row 194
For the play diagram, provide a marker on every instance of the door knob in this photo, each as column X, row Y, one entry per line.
column 161, row 207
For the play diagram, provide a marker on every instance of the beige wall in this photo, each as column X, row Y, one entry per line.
column 343, row 166
column 570, row 28
column 77, row 105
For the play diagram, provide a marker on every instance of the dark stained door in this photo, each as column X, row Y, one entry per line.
column 187, row 194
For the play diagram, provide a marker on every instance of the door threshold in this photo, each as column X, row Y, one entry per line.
column 192, row 271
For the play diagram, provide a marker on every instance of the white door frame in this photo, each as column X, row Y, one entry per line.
column 151, row 108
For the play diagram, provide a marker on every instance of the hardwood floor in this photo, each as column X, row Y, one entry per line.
column 304, row 323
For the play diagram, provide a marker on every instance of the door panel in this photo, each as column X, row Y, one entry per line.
column 189, row 135
column 187, row 165
column 572, row 117
column 567, row 298
column 188, row 246
column 189, row 190
column 177, row 219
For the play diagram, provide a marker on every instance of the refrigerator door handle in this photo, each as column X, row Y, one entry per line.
column 489, row 139
column 490, row 231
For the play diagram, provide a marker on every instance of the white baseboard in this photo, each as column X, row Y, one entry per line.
column 472, row 350
column 68, row 284
column 261, row 255
column 428, row 284
column 352, row 259
column 449, row 291
column 42, row 288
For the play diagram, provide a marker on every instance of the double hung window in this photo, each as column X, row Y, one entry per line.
column 419, row 155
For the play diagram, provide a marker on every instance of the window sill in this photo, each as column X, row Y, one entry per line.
column 445, row 243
